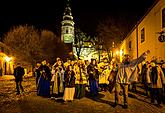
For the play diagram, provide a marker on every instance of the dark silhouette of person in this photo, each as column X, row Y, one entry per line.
column 18, row 74
column 37, row 72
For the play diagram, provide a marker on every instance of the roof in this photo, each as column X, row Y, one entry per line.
column 138, row 22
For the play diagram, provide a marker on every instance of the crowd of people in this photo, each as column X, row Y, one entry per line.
column 73, row 78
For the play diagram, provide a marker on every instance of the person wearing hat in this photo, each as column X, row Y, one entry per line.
column 127, row 74
column 155, row 77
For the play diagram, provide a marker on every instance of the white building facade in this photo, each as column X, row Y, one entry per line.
column 145, row 35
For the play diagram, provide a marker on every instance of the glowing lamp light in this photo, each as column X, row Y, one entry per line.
column 8, row 59
column 117, row 52
column 121, row 52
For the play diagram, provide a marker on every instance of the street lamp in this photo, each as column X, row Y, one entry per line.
column 121, row 52
column 117, row 52
column 7, row 59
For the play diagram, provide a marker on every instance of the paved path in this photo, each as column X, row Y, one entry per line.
column 31, row 103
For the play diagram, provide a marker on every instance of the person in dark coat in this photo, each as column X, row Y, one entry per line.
column 144, row 79
column 18, row 74
column 93, row 73
column 69, row 84
column 37, row 72
column 43, row 88
column 156, row 79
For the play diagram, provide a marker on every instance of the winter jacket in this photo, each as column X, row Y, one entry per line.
column 160, row 78
column 127, row 73
column 19, row 73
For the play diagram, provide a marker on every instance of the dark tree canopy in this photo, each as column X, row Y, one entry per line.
column 33, row 45
column 112, row 30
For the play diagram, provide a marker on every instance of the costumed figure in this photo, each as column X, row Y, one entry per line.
column 112, row 76
column 93, row 77
column 81, row 79
column 126, row 75
column 58, row 79
column 44, row 81
column 155, row 77
column 69, row 84
column 104, row 74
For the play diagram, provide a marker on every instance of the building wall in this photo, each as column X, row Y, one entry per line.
column 127, row 48
column 6, row 66
column 152, row 23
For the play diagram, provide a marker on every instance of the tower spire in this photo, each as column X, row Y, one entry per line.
column 67, row 29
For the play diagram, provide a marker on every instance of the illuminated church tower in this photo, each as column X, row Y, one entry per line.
column 67, row 29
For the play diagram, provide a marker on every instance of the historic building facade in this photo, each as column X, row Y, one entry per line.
column 6, row 61
column 68, row 36
column 148, row 33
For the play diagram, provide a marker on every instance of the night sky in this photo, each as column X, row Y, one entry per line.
column 47, row 14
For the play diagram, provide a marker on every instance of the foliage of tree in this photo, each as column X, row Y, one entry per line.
column 52, row 47
column 33, row 45
column 26, row 41
column 80, row 37
column 111, row 32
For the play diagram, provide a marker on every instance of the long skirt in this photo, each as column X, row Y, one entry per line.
column 93, row 87
column 69, row 93
column 43, row 88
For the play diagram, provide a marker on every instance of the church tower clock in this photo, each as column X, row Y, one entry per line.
column 67, row 29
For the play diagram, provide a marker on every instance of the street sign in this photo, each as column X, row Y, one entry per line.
column 161, row 38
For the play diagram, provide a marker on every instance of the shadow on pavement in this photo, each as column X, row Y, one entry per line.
column 99, row 97
column 135, row 96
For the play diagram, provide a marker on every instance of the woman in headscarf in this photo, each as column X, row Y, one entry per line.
column 69, row 84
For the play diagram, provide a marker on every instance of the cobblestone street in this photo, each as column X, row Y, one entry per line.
column 29, row 102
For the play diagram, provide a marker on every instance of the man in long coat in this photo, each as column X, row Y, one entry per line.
column 126, row 75
column 18, row 74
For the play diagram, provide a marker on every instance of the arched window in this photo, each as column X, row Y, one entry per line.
column 67, row 31
column 163, row 18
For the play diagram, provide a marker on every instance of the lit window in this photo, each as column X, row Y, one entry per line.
column 142, row 35
column 129, row 45
column 163, row 18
